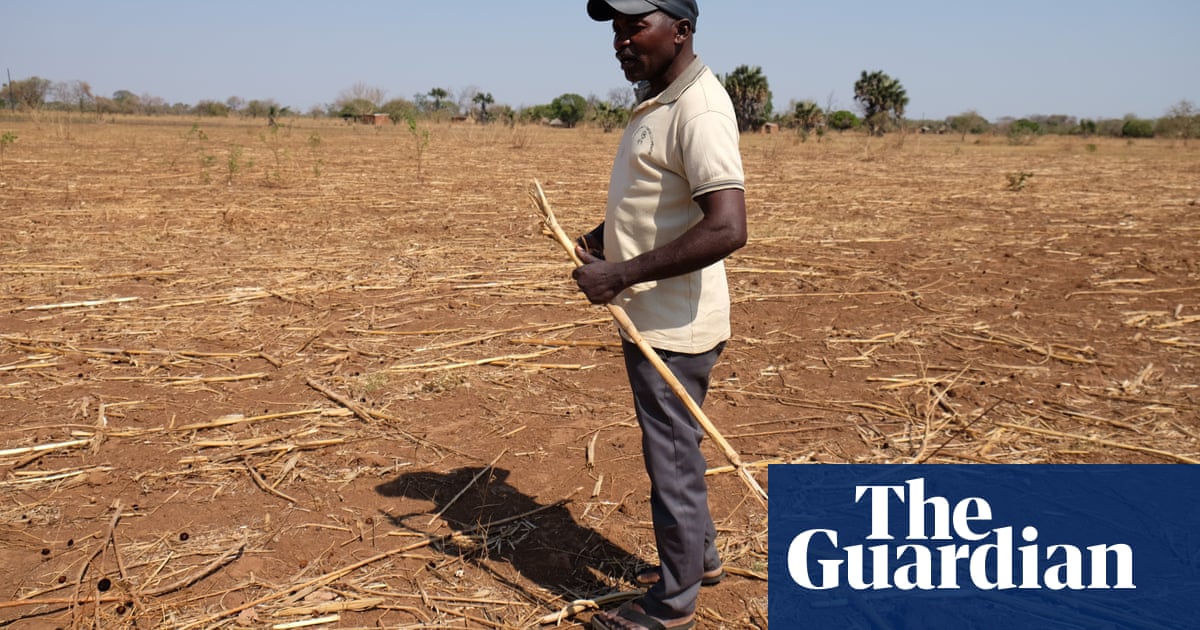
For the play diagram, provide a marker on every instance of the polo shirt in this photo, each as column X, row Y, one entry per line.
column 678, row 146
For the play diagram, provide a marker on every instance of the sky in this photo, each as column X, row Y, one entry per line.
column 1084, row 58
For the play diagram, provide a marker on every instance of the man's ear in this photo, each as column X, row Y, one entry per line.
column 683, row 30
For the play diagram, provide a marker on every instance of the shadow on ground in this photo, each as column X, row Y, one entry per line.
column 546, row 546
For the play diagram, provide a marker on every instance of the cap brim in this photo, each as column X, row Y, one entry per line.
column 605, row 10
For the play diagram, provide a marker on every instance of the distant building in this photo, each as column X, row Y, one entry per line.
column 374, row 119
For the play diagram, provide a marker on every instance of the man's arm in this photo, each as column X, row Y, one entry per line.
column 719, row 233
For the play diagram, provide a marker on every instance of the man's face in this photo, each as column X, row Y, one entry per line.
column 645, row 44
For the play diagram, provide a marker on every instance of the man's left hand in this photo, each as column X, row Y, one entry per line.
column 599, row 280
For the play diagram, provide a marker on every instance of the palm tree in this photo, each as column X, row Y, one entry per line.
column 483, row 99
column 808, row 115
column 881, row 98
column 437, row 94
column 751, row 96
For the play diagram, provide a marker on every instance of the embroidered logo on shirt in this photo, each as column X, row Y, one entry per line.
column 644, row 139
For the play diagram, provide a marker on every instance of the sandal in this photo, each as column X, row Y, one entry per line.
column 651, row 575
column 627, row 613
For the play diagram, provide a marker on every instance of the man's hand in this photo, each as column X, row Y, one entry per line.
column 593, row 242
column 719, row 233
column 600, row 281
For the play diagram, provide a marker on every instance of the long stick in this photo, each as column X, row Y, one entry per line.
column 626, row 324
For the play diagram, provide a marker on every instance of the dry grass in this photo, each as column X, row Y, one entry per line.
column 243, row 369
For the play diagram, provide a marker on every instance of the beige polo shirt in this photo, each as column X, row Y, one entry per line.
column 678, row 146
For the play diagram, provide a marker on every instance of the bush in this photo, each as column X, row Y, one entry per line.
column 843, row 120
column 1137, row 128
column 969, row 122
column 211, row 108
column 1023, row 131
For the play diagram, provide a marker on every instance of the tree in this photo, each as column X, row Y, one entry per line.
column 399, row 109
column 610, row 115
column 438, row 95
column 505, row 113
column 355, row 108
column 1023, row 131
column 274, row 112
column 843, row 120
column 1056, row 123
column 211, row 108
column 73, row 94
column 882, row 100
column 1182, row 120
column 126, row 102
column 483, row 99
column 256, row 107
column 569, row 108
column 808, row 115
column 622, row 97
column 28, row 93
column 359, row 99
column 968, row 122
column 751, row 95
column 151, row 104
column 537, row 113
column 1137, row 128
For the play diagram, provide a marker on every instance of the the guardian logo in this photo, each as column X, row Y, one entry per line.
column 928, row 543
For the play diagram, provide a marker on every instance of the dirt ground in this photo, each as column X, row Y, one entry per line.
column 332, row 372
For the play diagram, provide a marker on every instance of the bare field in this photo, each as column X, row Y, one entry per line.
column 253, row 377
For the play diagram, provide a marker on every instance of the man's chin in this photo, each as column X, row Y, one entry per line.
column 633, row 73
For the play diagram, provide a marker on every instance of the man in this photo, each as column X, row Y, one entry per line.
column 676, row 208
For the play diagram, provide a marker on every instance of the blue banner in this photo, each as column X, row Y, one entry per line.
column 984, row 546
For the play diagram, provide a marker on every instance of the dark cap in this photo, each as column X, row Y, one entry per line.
column 604, row 10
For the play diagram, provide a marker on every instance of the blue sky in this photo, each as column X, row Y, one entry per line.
column 1087, row 58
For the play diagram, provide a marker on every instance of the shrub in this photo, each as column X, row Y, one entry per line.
column 1137, row 128
column 969, row 122
column 843, row 120
column 1023, row 131
column 211, row 108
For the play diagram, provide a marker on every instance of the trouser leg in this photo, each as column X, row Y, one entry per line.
column 683, row 527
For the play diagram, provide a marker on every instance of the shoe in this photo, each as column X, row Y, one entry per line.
column 627, row 613
column 651, row 575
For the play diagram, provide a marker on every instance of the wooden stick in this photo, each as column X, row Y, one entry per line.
column 205, row 571
column 341, row 400
column 306, row 623
column 262, row 483
column 42, row 447
column 369, row 416
column 626, row 324
column 50, row 307
column 581, row 605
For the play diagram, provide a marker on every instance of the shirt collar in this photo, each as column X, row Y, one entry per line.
column 689, row 76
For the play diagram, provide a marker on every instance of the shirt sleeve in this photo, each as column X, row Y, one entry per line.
column 711, row 158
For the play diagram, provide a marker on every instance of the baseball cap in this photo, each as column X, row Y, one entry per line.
column 604, row 10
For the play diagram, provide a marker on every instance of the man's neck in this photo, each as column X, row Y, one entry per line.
column 649, row 89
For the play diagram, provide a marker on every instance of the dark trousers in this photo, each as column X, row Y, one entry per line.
column 683, row 528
